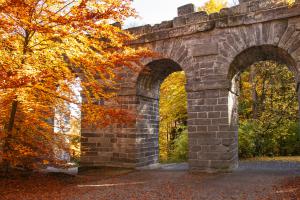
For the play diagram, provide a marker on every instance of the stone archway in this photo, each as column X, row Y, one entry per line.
column 253, row 55
column 246, row 59
column 211, row 49
column 148, row 86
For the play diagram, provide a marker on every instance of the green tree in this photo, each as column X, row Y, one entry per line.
column 268, row 111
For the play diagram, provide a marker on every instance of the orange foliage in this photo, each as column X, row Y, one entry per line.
column 45, row 45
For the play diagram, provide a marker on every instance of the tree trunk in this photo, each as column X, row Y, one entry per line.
column 9, row 129
column 254, row 93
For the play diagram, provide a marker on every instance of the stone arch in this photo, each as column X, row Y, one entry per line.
column 174, row 50
column 245, row 59
column 147, row 90
column 210, row 49
column 261, row 53
column 153, row 75
column 278, row 38
column 250, row 56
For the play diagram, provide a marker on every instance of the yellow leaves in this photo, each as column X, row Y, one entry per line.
column 173, row 98
column 44, row 47
column 290, row 2
column 172, row 108
column 212, row 6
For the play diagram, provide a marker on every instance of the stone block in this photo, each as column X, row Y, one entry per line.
column 220, row 121
column 209, row 141
column 186, row 9
column 202, row 115
column 214, row 16
column 197, row 17
column 196, row 148
column 219, row 148
column 228, row 142
column 224, row 12
column 212, row 128
column 179, row 21
column 204, row 49
column 202, row 128
column 214, row 114
column 166, row 24
column 226, row 135
column 210, row 101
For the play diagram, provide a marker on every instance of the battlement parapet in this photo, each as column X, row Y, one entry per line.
column 189, row 21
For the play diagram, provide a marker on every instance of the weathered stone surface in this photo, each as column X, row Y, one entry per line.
column 186, row 9
column 211, row 50
column 204, row 49
column 179, row 21
column 197, row 17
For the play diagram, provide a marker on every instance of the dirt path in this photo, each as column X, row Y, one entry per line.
column 245, row 183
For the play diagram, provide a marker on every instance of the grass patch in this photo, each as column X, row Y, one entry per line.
column 279, row 158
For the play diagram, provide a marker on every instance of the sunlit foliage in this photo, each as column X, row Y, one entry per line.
column 45, row 45
column 213, row 6
column 173, row 112
column 268, row 111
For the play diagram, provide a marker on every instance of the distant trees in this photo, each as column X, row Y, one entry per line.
column 268, row 111
column 173, row 113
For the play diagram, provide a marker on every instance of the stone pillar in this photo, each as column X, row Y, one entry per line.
column 212, row 130
column 147, row 131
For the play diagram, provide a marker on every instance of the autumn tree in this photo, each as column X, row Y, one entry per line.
column 46, row 47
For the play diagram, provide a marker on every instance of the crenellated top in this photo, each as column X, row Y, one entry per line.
column 189, row 21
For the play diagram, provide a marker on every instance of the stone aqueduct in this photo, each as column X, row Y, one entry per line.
column 212, row 50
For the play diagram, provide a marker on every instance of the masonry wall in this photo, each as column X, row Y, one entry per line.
column 147, row 131
column 114, row 145
column 212, row 136
column 211, row 50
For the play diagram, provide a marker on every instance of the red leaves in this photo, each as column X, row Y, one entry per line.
column 11, row 80
column 45, row 46
column 99, row 116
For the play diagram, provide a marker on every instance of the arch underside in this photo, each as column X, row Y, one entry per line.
column 261, row 53
column 153, row 75
column 148, row 87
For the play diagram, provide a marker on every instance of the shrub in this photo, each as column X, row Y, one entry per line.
column 180, row 152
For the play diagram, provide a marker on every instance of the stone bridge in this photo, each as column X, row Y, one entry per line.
column 212, row 50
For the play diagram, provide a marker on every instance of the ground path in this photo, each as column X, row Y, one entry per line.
column 253, row 180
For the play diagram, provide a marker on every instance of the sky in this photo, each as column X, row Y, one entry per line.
column 156, row 11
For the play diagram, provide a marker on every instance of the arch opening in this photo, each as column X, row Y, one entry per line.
column 149, row 121
column 263, row 102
